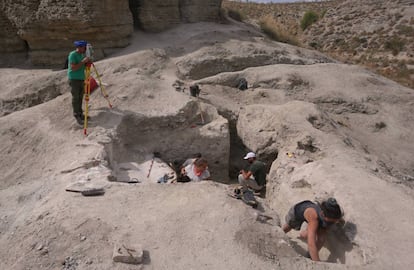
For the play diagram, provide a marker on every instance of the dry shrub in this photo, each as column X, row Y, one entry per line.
column 405, row 30
column 276, row 31
column 235, row 14
column 309, row 18
column 395, row 44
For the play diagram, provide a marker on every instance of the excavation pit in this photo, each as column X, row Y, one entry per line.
column 195, row 128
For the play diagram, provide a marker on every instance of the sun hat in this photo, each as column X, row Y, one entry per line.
column 250, row 155
column 80, row 43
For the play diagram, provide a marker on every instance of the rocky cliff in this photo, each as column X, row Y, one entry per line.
column 45, row 29
column 48, row 27
column 159, row 15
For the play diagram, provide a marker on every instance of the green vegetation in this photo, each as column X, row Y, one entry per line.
column 314, row 44
column 383, row 50
column 395, row 45
column 308, row 19
column 276, row 31
column 405, row 30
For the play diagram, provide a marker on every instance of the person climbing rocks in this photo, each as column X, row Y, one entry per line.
column 195, row 171
column 320, row 217
column 76, row 75
column 255, row 176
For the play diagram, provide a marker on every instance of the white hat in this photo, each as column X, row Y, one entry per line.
column 250, row 155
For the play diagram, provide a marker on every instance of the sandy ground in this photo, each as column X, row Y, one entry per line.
column 197, row 225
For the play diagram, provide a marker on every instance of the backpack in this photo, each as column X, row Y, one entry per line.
column 194, row 90
column 66, row 65
column 242, row 84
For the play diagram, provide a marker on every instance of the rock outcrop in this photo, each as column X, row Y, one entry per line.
column 159, row 15
column 9, row 39
column 49, row 27
column 46, row 29
column 238, row 55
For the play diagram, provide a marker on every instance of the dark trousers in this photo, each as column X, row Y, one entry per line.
column 77, row 87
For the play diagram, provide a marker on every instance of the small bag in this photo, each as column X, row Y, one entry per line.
column 183, row 178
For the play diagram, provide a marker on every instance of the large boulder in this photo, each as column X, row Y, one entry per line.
column 235, row 55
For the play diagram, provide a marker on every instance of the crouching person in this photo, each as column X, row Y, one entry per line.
column 319, row 218
column 195, row 171
column 255, row 176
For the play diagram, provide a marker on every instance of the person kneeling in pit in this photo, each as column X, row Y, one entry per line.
column 196, row 171
column 320, row 217
column 255, row 176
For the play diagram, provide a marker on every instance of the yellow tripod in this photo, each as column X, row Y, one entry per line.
column 87, row 93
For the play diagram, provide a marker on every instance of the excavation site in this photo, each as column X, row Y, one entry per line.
column 108, row 193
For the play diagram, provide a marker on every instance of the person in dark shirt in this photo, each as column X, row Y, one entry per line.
column 319, row 218
column 255, row 176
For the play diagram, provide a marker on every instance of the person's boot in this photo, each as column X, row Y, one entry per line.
column 79, row 119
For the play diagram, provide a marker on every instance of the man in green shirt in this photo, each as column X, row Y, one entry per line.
column 255, row 176
column 76, row 75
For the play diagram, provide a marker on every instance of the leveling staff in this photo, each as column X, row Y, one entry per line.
column 76, row 75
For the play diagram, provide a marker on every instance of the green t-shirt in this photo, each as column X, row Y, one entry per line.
column 258, row 170
column 75, row 58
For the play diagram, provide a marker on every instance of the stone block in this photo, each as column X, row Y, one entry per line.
column 127, row 253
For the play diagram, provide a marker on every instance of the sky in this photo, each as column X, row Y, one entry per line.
column 275, row 1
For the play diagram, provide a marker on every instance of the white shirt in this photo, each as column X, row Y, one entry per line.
column 190, row 173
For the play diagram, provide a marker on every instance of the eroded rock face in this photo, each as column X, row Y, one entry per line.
column 159, row 15
column 9, row 40
column 50, row 27
column 46, row 29
column 155, row 15
column 199, row 10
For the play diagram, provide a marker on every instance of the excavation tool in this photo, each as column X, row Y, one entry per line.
column 201, row 115
column 155, row 155
column 201, row 111
column 87, row 88
column 195, row 92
